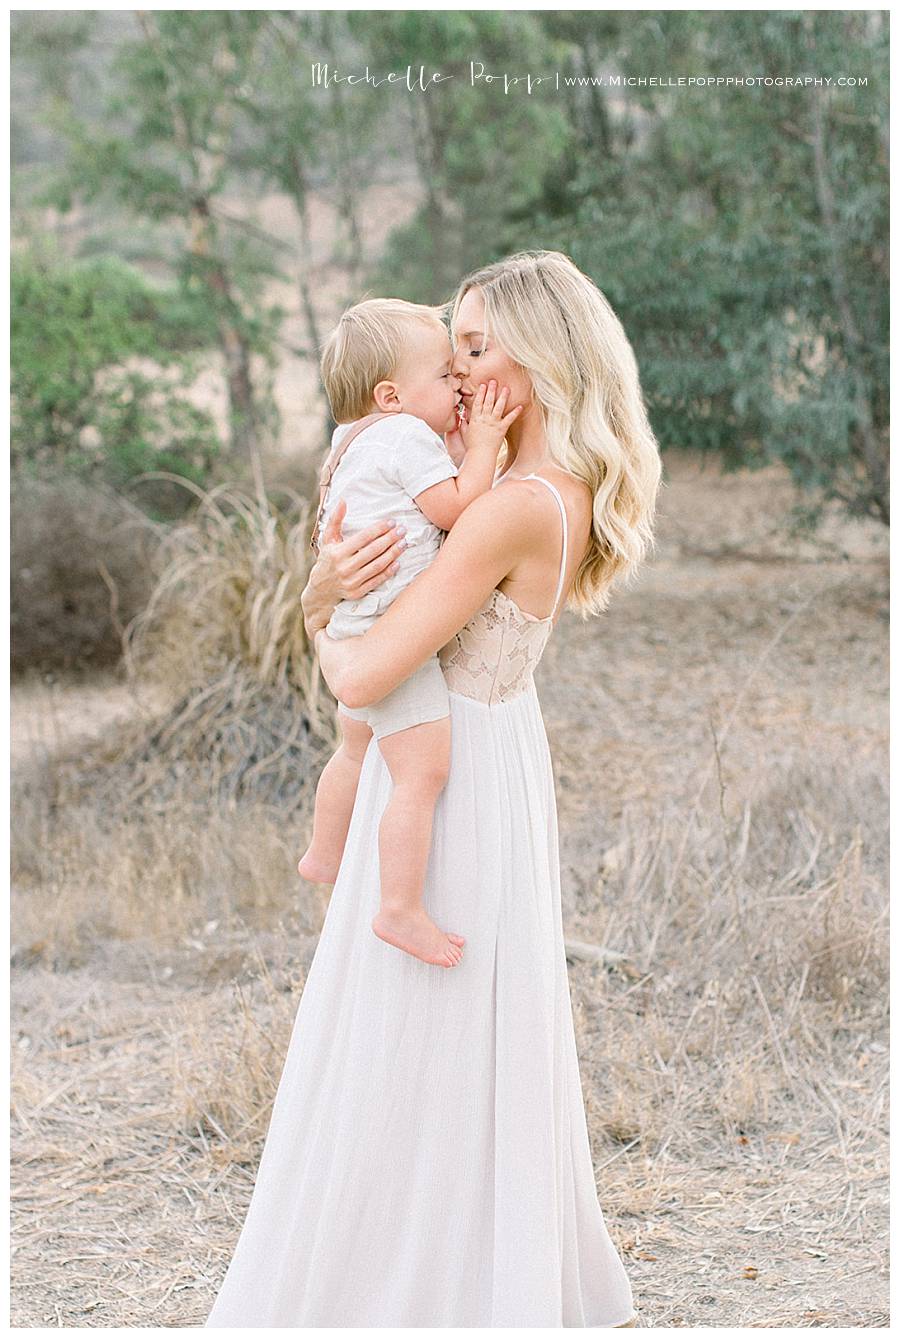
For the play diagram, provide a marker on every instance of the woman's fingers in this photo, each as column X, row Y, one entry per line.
column 369, row 544
column 332, row 533
column 379, row 580
column 378, row 567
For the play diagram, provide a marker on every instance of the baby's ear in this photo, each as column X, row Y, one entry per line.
column 387, row 397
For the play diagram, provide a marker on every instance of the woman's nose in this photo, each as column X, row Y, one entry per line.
column 458, row 367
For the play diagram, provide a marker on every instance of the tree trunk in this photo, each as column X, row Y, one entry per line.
column 205, row 166
column 348, row 187
column 313, row 335
column 867, row 447
column 236, row 351
column 601, row 137
column 430, row 144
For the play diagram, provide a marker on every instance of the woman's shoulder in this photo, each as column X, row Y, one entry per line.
column 503, row 519
column 532, row 511
column 510, row 517
column 531, row 496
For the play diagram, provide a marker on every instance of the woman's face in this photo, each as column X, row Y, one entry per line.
column 477, row 360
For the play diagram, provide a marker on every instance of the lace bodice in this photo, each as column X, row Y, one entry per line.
column 492, row 659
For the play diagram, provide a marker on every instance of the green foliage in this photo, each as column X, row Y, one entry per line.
column 740, row 233
column 142, row 426
column 74, row 401
column 480, row 153
column 742, row 239
column 164, row 149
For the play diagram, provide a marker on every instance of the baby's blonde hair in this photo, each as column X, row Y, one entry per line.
column 555, row 323
column 365, row 347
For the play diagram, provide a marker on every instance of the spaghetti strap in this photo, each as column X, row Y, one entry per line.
column 565, row 536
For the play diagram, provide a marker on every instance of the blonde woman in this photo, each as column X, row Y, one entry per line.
column 427, row 1162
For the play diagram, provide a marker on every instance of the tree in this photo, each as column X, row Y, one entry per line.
column 753, row 288
column 164, row 151
column 77, row 404
column 304, row 141
column 479, row 153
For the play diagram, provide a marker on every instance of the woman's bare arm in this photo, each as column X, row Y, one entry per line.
column 487, row 541
column 348, row 568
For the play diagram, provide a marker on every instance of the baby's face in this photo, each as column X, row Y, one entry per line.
column 426, row 384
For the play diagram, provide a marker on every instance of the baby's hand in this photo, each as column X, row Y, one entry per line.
column 488, row 424
column 456, row 443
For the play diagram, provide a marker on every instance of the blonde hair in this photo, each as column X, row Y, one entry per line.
column 365, row 347
column 555, row 323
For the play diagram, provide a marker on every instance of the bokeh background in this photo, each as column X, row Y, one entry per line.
column 189, row 216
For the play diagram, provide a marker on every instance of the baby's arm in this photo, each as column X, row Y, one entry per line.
column 444, row 503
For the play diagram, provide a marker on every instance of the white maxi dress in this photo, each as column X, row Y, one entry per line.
column 427, row 1162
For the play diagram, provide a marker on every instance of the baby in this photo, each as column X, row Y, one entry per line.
column 387, row 372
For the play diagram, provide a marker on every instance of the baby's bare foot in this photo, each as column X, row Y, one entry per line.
column 415, row 932
column 315, row 869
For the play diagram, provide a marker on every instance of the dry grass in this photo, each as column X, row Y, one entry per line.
column 228, row 589
column 200, row 792
column 720, row 751
column 248, row 717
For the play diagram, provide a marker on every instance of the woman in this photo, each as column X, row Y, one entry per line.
column 427, row 1162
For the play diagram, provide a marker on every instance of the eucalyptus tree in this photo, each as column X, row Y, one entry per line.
column 479, row 149
column 311, row 143
column 741, row 231
column 163, row 148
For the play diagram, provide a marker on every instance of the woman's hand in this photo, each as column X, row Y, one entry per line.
column 493, row 533
column 348, row 568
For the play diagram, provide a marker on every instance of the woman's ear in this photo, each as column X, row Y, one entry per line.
column 387, row 398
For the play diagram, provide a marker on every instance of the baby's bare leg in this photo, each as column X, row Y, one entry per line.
column 335, row 796
column 419, row 762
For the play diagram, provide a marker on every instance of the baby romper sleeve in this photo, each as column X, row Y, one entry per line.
column 420, row 459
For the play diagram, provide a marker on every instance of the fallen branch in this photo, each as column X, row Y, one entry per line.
column 591, row 952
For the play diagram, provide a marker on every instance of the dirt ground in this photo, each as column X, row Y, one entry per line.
column 745, row 1178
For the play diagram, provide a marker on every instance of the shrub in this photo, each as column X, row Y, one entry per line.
column 80, row 570
column 78, row 401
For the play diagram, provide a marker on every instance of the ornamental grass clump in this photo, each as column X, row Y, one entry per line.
column 222, row 640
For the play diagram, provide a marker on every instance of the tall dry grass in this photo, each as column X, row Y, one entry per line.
column 195, row 809
column 753, row 941
column 222, row 636
column 227, row 593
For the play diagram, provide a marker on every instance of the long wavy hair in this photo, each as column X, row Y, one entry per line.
column 553, row 321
